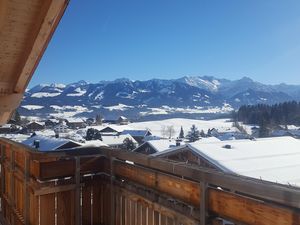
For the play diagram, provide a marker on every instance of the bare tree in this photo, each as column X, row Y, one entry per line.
column 170, row 131
column 163, row 131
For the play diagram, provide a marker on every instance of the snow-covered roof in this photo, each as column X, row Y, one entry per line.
column 116, row 139
column 8, row 125
column 136, row 133
column 162, row 144
column 53, row 120
column 117, row 128
column 272, row 159
column 163, row 150
column 75, row 120
column 94, row 143
column 39, row 123
column 47, row 143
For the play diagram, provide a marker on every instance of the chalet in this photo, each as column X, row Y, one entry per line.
column 50, row 123
column 61, row 128
column 43, row 143
column 122, row 120
column 154, row 146
column 251, row 158
column 9, row 128
column 138, row 135
column 75, row 123
column 117, row 141
column 111, row 130
column 35, row 126
column 228, row 134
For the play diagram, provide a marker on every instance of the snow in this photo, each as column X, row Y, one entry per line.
column 32, row 107
column 78, row 92
column 44, row 94
column 163, row 144
column 272, row 159
column 94, row 144
column 162, row 147
column 99, row 96
column 136, row 133
column 113, row 140
column 68, row 111
column 15, row 137
column 155, row 127
column 120, row 107
column 163, row 110
column 46, row 143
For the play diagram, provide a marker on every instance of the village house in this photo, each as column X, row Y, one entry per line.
column 117, row 141
column 122, row 120
column 35, row 126
column 111, row 130
column 50, row 123
column 61, row 128
column 138, row 135
column 9, row 128
column 154, row 146
column 43, row 143
column 75, row 123
column 252, row 158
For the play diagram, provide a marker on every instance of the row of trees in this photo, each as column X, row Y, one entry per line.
column 193, row 135
column 269, row 117
column 282, row 113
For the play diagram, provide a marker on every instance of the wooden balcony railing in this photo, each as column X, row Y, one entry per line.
column 111, row 187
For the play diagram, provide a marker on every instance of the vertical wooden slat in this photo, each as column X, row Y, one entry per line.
column 86, row 202
column 156, row 218
column 144, row 213
column 12, row 185
column 112, row 194
column 150, row 216
column 163, row 220
column 47, row 209
column 66, row 208
column 139, row 214
column 97, row 201
column 26, row 190
column 77, row 192
column 34, row 210
column 203, row 203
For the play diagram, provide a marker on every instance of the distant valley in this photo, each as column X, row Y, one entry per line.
column 190, row 97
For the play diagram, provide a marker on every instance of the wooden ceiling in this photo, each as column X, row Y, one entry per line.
column 26, row 26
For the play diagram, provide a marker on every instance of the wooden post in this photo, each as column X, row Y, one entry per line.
column 112, row 194
column 77, row 192
column 2, row 176
column 26, row 192
column 12, row 184
column 203, row 203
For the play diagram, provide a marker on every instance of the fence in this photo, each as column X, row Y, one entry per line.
column 103, row 186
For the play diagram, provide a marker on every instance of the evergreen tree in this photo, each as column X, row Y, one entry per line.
column 98, row 119
column 181, row 134
column 17, row 118
column 128, row 144
column 193, row 134
column 202, row 134
column 93, row 134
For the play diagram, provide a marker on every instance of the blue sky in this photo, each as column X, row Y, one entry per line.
column 138, row 39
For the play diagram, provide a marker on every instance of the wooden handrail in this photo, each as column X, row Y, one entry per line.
column 174, row 186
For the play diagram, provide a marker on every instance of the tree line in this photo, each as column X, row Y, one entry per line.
column 269, row 115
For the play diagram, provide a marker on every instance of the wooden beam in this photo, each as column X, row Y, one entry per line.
column 250, row 211
column 44, row 33
column 184, row 190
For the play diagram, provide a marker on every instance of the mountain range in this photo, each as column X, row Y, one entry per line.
column 189, row 96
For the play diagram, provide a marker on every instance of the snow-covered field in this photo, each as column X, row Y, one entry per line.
column 32, row 107
column 156, row 126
